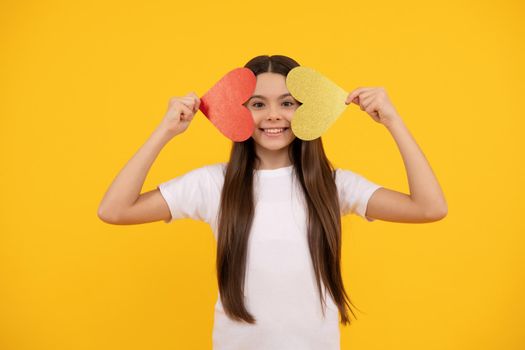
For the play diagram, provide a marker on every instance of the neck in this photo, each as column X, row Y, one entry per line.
column 269, row 159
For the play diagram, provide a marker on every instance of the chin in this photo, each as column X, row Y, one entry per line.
column 273, row 146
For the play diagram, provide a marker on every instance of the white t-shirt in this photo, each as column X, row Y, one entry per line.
column 280, row 287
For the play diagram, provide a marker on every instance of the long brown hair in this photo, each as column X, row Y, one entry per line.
column 317, row 178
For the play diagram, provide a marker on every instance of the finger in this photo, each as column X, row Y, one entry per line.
column 172, row 101
column 366, row 101
column 366, row 94
column 197, row 101
column 356, row 94
column 175, row 110
column 361, row 100
column 187, row 113
column 192, row 100
column 353, row 96
column 189, row 101
column 354, row 100
column 371, row 108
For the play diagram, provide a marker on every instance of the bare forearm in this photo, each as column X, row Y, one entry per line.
column 424, row 186
column 125, row 188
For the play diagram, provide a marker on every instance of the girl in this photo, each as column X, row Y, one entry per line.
column 275, row 210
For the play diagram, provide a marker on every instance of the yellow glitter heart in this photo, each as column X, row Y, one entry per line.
column 322, row 102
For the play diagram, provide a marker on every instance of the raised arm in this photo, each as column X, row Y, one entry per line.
column 426, row 202
column 123, row 203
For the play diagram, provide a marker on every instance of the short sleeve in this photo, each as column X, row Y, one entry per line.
column 188, row 195
column 354, row 192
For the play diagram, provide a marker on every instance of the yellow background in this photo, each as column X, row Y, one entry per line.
column 83, row 84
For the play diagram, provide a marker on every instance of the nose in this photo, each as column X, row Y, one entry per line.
column 274, row 114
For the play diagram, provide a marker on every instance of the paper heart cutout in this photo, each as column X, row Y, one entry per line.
column 322, row 102
column 223, row 104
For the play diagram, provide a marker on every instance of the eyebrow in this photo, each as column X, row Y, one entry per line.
column 264, row 98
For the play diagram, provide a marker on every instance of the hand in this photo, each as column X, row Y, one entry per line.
column 180, row 114
column 375, row 102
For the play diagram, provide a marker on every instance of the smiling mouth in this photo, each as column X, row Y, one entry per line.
column 273, row 131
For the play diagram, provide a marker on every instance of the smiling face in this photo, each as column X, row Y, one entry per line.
column 272, row 107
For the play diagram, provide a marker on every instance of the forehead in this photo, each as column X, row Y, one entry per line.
column 270, row 85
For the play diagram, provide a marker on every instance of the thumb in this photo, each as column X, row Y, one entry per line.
column 351, row 99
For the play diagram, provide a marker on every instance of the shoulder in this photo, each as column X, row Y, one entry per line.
column 216, row 169
column 342, row 175
column 354, row 191
column 209, row 177
column 215, row 172
column 351, row 184
column 202, row 176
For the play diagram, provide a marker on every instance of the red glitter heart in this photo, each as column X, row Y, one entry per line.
column 222, row 104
